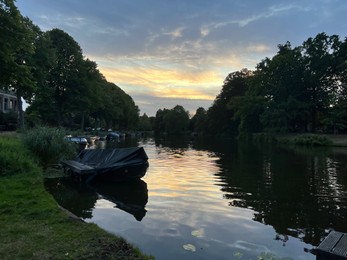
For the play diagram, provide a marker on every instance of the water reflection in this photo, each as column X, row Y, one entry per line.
column 222, row 198
column 300, row 192
column 80, row 198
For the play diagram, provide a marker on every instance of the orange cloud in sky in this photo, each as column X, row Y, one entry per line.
column 163, row 82
column 177, row 71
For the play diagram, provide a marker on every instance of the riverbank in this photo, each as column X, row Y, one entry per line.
column 32, row 224
column 334, row 140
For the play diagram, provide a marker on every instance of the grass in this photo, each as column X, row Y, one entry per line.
column 32, row 224
column 48, row 144
column 306, row 140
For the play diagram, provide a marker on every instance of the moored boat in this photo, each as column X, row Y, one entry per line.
column 115, row 165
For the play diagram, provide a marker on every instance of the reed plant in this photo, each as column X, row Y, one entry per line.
column 48, row 144
column 312, row 140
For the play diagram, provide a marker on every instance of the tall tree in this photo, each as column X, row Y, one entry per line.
column 85, row 95
column 318, row 57
column 176, row 120
column 145, row 123
column 117, row 109
column 42, row 108
column 16, row 46
column 221, row 116
column 199, row 120
column 65, row 75
column 59, row 72
column 159, row 123
column 280, row 82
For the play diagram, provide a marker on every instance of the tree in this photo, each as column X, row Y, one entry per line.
column 280, row 81
column 176, row 120
column 319, row 78
column 221, row 115
column 16, row 46
column 248, row 110
column 86, row 93
column 42, row 106
column 198, row 121
column 172, row 121
column 62, row 75
column 159, row 123
column 65, row 75
column 117, row 109
column 338, row 111
column 145, row 123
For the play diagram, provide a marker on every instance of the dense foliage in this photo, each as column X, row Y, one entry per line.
column 14, row 158
column 49, row 71
column 48, row 144
column 311, row 139
column 301, row 89
column 172, row 121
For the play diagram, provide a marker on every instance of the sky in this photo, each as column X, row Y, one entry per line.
column 165, row 53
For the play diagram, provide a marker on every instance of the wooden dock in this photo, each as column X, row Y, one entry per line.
column 333, row 247
column 77, row 167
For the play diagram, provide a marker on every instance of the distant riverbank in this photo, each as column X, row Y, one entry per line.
column 33, row 225
column 338, row 140
column 335, row 140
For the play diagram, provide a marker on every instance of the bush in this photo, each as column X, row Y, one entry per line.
column 14, row 158
column 48, row 144
column 312, row 140
column 8, row 121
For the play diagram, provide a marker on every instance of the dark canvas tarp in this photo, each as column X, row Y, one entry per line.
column 103, row 160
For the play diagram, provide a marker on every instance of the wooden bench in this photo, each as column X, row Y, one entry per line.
column 334, row 247
column 77, row 167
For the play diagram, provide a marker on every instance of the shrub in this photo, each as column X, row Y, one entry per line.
column 312, row 140
column 14, row 158
column 48, row 144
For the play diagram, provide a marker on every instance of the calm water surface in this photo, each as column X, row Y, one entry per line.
column 218, row 199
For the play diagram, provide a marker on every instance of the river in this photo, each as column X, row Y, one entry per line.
column 220, row 199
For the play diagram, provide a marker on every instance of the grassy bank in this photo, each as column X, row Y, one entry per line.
column 303, row 139
column 32, row 224
column 313, row 139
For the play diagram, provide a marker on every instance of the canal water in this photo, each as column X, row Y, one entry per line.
column 219, row 199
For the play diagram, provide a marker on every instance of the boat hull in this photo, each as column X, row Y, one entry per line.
column 129, row 173
column 115, row 165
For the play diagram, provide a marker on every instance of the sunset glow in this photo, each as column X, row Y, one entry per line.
column 179, row 52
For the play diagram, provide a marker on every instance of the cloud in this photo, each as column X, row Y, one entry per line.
column 49, row 22
column 183, row 50
column 259, row 48
column 150, row 105
column 247, row 18
column 161, row 82
column 176, row 33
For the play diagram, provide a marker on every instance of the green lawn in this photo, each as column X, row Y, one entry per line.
column 32, row 224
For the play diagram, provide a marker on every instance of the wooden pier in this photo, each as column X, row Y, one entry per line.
column 77, row 167
column 333, row 247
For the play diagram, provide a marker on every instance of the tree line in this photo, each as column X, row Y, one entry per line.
column 300, row 89
column 62, row 87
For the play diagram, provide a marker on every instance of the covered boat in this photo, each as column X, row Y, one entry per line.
column 119, row 164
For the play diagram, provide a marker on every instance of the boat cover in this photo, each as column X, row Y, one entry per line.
column 104, row 160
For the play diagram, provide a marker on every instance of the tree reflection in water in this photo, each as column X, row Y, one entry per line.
column 301, row 192
column 80, row 198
